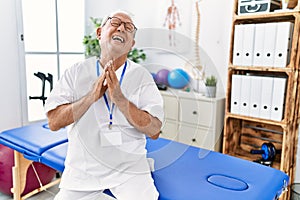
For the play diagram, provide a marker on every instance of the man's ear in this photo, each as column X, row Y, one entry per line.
column 133, row 43
column 98, row 33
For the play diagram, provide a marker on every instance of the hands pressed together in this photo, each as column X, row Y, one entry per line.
column 66, row 114
column 108, row 80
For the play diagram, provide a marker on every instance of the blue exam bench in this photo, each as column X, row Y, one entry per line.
column 181, row 171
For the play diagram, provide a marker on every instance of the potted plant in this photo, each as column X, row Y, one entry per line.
column 92, row 47
column 211, row 86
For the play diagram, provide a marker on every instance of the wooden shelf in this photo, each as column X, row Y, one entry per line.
column 286, row 70
column 246, row 155
column 265, row 121
column 266, row 17
column 244, row 133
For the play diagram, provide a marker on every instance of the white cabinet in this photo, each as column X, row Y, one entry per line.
column 170, row 102
column 198, row 136
column 193, row 119
column 169, row 130
column 195, row 111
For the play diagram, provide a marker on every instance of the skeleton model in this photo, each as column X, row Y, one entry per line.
column 171, row 21
column 194, row 64
column 198, row 72
column 197, row 50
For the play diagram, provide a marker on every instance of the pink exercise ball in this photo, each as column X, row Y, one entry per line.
column 162, row 76
column 46, row 174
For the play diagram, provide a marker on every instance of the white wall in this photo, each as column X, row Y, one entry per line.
column 147, row 14
column 10, row 101
column 216, row 18
column 216, row 23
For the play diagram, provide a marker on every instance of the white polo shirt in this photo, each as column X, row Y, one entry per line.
column 90, row 165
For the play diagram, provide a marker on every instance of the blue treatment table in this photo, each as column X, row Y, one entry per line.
column 182, row 172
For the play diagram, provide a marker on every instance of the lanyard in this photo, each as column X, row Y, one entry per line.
column 110, row 110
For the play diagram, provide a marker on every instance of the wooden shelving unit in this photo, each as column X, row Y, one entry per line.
column 243, row 133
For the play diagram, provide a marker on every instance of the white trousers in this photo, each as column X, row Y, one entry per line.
column 136, row 188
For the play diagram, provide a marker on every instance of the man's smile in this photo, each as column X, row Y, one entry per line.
column 118, row 38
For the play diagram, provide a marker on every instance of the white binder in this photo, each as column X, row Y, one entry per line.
column 238, row 44
column 269, row 44
column 283, row 44
column 248, row 43
column 258, row 44
column 266, row 97
column 235, row 94
column 245, row 95
column 255, row 96
column 278, row 95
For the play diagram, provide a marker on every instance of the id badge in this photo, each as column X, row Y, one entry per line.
column 111, row 137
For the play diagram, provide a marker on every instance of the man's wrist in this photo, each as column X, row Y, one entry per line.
column 122, row 103
column 90, row 98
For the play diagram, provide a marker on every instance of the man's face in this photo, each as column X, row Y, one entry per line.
column 116, row 40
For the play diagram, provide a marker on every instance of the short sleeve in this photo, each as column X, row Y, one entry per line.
column 62, row 93
column 150, row 98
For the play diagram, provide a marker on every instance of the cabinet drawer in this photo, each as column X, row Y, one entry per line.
column 197, row 112
column 203, row 138
column 170, row 107
column 169, row 130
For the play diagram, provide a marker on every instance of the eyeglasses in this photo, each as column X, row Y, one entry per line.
column 116, row 22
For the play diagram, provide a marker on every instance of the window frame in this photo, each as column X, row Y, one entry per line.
column 22, row 59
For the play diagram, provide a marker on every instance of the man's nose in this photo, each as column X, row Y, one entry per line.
column 121, row 27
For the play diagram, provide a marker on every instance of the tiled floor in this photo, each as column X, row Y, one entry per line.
column 45, row 195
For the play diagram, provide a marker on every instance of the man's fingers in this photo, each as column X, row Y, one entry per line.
column 111, row 76
column 108, row 79
column 101, row 80
column 108, row 64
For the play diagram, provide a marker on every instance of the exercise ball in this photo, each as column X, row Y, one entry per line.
column 153, row 76
column 178, row 78
column 46, row 174
column 162, row 76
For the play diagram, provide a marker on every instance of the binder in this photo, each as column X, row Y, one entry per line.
column 266, row 97
column 248, row 41
column 235, row 93
column 238, row 44
column 255, row 96
column 278, row 95
column 269, row 44
column 283, row 44
column 245, row 95
column 258, row 44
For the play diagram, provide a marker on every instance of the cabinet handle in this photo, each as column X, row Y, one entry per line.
column 194, row 112
column 194, row 140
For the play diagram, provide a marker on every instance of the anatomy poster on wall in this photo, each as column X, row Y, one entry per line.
column 172, row 19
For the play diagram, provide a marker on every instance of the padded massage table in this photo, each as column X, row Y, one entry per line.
column 181, row 171
column 29, row 143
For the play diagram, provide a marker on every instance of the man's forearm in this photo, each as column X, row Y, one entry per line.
column 141, row 120
column 67, row 114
